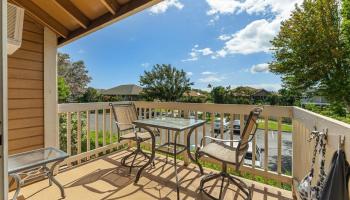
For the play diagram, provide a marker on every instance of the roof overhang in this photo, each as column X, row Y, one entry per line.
column 73, row 19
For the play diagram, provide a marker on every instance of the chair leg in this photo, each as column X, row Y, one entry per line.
column 197, row 162
column 133, row 161
column 126, row 157
column 222, row 186
column 237, row 182
column 147, row 157
column 166, row 159
column 208, row 178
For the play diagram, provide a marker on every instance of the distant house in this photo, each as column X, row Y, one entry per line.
column 130, row 92
column 315, row 100
column 260, row 94
column 249, row 92
column 193, row 93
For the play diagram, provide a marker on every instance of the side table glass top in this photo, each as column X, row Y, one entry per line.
column 33, row 158
column 178, row 124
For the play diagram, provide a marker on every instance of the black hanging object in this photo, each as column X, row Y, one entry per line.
column 336, row 185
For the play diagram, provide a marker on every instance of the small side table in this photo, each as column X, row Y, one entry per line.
column 25, row 166
column 179, row 125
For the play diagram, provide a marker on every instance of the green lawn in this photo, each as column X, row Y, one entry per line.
column 100, row 140
column 273, row 126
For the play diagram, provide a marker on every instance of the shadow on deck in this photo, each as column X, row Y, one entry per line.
column 105, row 179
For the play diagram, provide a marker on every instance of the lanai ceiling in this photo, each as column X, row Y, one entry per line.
column 72, row 19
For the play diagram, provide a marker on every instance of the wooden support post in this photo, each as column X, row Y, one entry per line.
column 79, row 135
column 88, row 132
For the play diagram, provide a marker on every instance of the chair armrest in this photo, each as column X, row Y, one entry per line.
column 133, row 125
column 217, row 140
column 221, row 140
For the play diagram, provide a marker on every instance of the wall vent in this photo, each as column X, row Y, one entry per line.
column 15, row 17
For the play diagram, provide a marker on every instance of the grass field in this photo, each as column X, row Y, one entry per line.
column 273, row 126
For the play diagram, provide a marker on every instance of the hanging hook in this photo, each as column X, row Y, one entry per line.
column 325, row 134
column 313, row 134
column 341, row 142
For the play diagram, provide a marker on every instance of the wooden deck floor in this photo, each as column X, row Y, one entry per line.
column 105, row 179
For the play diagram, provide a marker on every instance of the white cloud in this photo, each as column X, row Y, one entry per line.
column 81, row 51
column 145, row 65
column 256, row 36
column 279, row 7
column 196, row 53
column 263, row 67
column 205, row 51
column 189, row 73
column 213, row 20
column 222, row 6
column 208, row 73
column 163, row 6
column 210, row 79
column 224, row 37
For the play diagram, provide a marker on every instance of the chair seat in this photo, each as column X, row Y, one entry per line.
column 131, row 135
column 219, row 152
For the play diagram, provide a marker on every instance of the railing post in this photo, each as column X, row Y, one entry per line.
column 294, row 166
column 69, row 136
column 79, row 135
column 196, row 132
column 96, row 131
column 279, row 147
column 266, row 143
column 88, row 132
column 69, row 133
column 110, row 126
column 104, row 128
column 186, row 159
column 212, row 119
column 231, row 128
column 222, row 118
column 204, row 127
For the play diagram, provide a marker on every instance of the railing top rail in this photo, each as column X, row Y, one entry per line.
column 276, row 111
column 310, row 120
column 76, row 107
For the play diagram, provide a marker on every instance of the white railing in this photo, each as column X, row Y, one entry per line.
column 212, row 112
column 86, row 130
column 304, row 122
column 78, row 135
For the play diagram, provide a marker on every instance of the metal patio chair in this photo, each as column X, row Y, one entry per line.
column 125, row 114
column 219, row 150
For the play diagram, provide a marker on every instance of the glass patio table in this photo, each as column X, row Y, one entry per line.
column 179, row 126
column 24, row 166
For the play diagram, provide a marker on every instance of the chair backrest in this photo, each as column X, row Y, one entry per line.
column 248, row 133
column 124, row 115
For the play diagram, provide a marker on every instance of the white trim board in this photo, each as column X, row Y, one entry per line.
column 3, row 103
column 50, row 89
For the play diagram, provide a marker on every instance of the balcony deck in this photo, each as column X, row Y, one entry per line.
column 105, row 179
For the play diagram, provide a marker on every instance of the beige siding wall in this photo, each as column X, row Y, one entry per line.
column 26, row 90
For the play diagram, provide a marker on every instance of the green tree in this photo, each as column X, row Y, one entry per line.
column 165, row 83
column 75, row 75
column 273, row 99
column 288, row 97
column 309, row 51
column 346, row 21
column 346, row 39
column 63, row 90
column 91, row 95
column 218, row 94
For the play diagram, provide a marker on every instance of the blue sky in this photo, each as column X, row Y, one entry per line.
column 221, row 42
